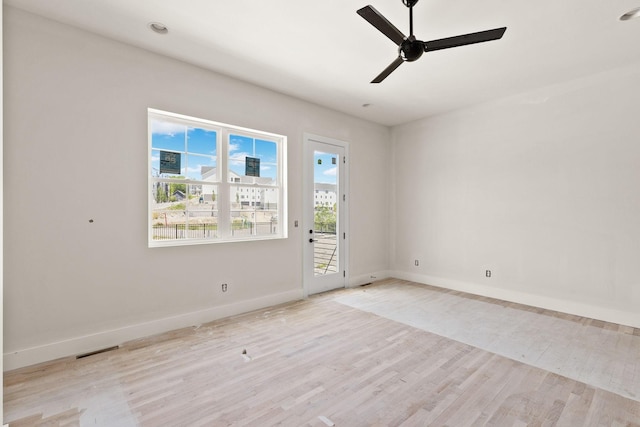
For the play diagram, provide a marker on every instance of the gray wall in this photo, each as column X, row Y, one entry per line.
column 76, row 149
column 540, row 188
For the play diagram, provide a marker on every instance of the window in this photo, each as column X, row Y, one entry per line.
column 211, row 182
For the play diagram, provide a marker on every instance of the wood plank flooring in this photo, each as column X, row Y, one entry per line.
column 602, row 354
column 305, row 364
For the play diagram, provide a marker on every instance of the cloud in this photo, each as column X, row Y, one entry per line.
column 330, row 172
column 194, row 170
column 238, row 158
column 233, row 147
column 166, row 128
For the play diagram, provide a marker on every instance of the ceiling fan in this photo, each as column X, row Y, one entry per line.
column 410, row 49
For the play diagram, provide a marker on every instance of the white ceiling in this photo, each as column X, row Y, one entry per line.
column 323, row 52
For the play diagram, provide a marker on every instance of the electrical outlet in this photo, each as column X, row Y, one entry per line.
column 487, row 273
column 417, row 263
column 224, row 287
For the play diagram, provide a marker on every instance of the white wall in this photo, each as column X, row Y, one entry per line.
column 1, row 210
column 76, row 149
column 541, row 188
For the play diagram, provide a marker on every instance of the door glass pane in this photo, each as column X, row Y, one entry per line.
column 325, row 199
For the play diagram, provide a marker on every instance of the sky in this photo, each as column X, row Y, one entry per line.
column 197, row 148
column 324, row 168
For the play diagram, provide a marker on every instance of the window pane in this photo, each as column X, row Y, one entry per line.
column 162, row 167
column 270, row 198
column 201, row 168
column 240, row 147
column 168, row 212
column 254, row 211
column 264, row 171
column 209, row 193
column 267, row 152
column 188, row 213
column 167, row 135
column 202, row 212
column 202, row 141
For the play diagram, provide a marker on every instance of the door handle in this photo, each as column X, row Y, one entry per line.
column 313, row 240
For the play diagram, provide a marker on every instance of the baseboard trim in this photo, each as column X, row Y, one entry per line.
column 87, row 343
column 549, row 303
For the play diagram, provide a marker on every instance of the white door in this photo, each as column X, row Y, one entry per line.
column 325, row 212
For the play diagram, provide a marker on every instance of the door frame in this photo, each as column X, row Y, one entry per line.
column 308, row 214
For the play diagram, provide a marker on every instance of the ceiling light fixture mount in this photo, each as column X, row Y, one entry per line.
column 157, row 27
column 633, row 13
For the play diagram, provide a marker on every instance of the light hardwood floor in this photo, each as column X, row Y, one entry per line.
column 605, row 355
column 350, row 357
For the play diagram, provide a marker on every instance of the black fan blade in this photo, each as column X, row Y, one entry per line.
column 381, row 23
column 383, row 75
column 479, row 37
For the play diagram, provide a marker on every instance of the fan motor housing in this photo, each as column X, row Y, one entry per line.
column 410, row 50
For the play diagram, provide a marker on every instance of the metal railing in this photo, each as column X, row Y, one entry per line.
column 320, row 227
column 324, row 253
column 181, row 231
column 210, row 231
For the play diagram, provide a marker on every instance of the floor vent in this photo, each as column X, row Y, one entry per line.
column 104, row 350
